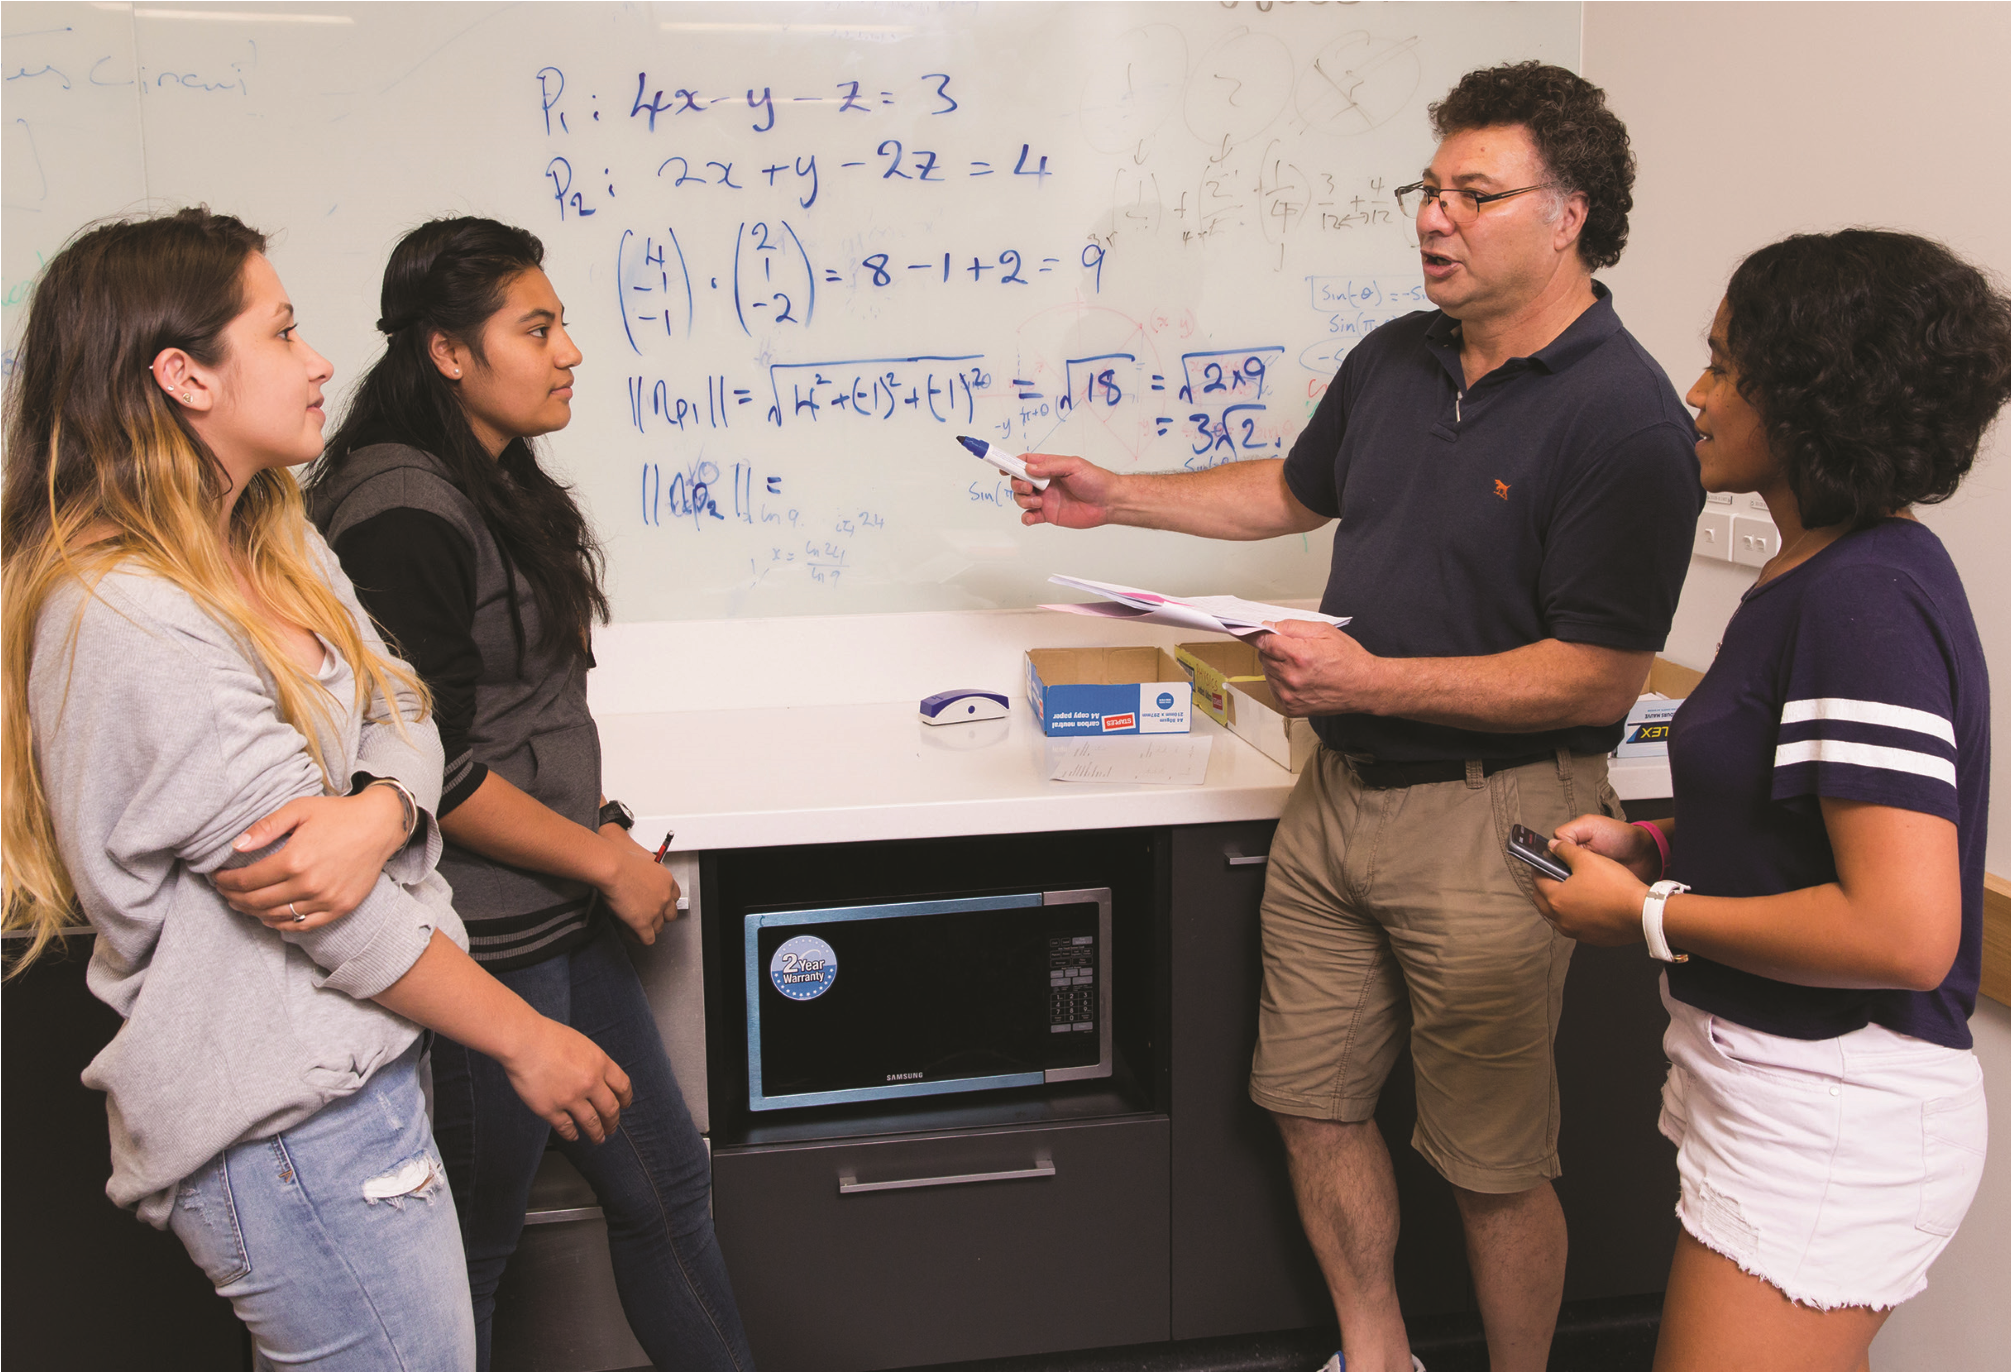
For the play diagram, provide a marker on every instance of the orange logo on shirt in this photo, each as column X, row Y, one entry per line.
column 1501, row 488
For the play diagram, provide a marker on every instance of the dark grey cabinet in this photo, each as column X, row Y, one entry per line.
column 1239, row 1261
column 856, row 1243
column 1151, row 1207
column 897, row 1252
column 71, row 1255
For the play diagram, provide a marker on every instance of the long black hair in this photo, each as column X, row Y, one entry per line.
column 449, row 277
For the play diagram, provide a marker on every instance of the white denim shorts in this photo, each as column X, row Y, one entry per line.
column 1834, row 1169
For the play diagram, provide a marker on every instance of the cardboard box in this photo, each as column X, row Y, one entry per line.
column 1229, row 685
column 1647, row 731
column 1255, row 718
column 1211, row 667
column 1104, row 691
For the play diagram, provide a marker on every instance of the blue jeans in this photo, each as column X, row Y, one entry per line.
column 652, row 1176
column 336, row 1241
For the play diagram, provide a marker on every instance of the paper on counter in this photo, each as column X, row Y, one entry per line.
column 1214, row 614
column 1149, row 759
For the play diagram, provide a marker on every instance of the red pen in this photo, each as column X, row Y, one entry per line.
column 664, row 849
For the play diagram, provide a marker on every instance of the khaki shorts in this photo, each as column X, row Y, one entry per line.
column 1399, row 911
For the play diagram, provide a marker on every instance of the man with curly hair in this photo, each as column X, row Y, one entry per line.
column 1517, row 490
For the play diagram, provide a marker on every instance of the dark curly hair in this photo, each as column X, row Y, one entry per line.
column 1876, row 361
column 1583, row 143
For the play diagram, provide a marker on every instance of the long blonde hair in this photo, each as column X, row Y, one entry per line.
column 94, row 445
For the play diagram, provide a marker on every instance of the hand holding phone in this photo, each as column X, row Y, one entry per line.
column 1534, row 849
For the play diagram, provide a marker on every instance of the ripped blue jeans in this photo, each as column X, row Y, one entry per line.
column 336, row 1241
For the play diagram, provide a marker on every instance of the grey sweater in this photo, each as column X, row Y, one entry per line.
column 159, row 742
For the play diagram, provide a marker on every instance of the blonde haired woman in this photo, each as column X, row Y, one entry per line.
column 184, row 659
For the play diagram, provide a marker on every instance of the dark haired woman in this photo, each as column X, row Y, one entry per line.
column 1823, row 877
column 485, row 572
column 182, row 656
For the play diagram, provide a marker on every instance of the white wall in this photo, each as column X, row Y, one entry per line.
column 1752, row 121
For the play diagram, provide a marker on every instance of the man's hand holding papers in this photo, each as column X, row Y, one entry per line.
column 1315, row 669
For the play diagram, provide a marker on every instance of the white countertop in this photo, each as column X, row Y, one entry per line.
column 847, row 773
column 700, row 734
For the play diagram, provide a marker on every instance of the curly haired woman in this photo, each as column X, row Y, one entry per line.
column 1823, row 875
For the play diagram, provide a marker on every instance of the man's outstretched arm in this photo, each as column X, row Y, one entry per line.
column 1240, row 500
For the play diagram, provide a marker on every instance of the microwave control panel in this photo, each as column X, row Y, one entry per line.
column 1071, row 975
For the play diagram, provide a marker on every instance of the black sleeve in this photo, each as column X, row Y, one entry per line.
column 1619, row 545
column 415, row 574
column 1312, row 468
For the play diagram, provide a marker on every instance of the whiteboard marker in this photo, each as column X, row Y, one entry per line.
column 998, row 457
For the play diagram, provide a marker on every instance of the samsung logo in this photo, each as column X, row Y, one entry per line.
column 904, row 1076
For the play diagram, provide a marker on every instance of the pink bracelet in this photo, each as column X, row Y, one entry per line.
column 1661, row 841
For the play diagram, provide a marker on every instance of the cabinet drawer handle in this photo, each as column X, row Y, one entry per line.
column 1246, row 859
column 849, row 1185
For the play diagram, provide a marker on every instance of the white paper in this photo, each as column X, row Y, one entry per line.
column 1215, row 614
column 1156, row 759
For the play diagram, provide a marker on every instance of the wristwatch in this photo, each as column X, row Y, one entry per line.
column 614, row 812
column 1651, row 921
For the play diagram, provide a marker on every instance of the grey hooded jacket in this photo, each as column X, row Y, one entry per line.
column 158, row 741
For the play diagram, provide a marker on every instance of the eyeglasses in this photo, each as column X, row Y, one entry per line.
column 1461, row 206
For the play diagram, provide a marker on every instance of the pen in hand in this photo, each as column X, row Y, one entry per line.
column 663, row 851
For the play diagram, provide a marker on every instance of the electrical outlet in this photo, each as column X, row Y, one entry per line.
column 1754, row 541
column 1714, row 536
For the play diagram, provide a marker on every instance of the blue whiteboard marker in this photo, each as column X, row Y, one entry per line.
column 1000, row 458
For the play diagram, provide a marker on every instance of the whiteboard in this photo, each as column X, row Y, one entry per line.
column 803, row 247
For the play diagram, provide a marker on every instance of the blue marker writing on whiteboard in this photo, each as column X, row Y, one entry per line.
column 1000, row 458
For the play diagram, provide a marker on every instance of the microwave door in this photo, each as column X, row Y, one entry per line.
column 876, row 1002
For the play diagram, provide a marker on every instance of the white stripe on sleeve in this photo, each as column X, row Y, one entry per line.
column 1868, row 712
column 1865, row 755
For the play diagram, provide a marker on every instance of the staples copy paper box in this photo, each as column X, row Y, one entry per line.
column 1103, row 691
column 1647, row 731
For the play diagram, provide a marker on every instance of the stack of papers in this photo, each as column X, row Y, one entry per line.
column 1214, row 614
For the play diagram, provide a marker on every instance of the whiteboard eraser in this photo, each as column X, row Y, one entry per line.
column 962, row 707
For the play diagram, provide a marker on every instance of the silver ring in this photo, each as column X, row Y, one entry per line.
column 298, row 918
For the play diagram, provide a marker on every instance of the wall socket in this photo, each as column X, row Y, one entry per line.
column 1754, row 541
column 1714, row 535
column 1732, row 535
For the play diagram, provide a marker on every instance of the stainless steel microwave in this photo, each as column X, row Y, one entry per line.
column 925, row 997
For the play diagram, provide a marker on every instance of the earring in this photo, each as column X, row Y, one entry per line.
column 457, row 371
column 187, row 398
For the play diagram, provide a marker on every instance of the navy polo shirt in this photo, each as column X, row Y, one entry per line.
column 1857, row 675
column 1556, row 498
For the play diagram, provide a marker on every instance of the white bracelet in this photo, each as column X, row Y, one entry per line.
column 1651, row 921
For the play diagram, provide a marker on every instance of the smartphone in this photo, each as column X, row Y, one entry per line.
column 1534, row 849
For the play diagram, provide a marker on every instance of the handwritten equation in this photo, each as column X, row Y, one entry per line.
column 771, row 281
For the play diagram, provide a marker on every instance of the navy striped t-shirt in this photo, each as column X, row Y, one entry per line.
column 1857, row 675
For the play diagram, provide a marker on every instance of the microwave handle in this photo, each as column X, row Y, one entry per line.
column 1235, row 859
column 850, row 1185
